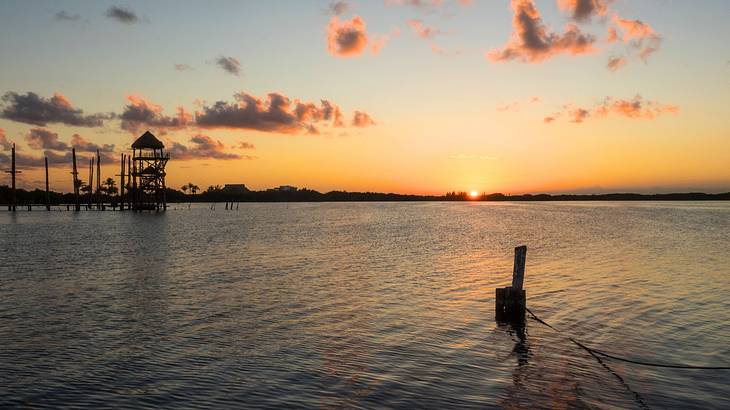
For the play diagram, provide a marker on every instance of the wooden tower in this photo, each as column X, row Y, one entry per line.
column 148, row 173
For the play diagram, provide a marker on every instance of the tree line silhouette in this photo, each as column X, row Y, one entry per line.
column 215, row 193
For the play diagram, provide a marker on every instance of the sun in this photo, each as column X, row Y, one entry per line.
column 473, row 194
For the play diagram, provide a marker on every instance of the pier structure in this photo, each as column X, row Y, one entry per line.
column 148, row 174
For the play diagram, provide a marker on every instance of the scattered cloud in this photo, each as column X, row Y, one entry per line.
column 140, row 113
column 4, row 143
column 30, row 108
column 182, row 67
column 245, row 145
column 615, row 63
column 515, row 106
column 39, row 138
column 63, row 15
column 636, row 108
column 423, row 30
column 338, row 8
column 229, row 64
column 640, row 36
column 583, row 10
column 122, row 15
column 347, row 38
column 202, row 147
column 276, row 114
column 532, row 43
column 81, row 144
column 362, row 119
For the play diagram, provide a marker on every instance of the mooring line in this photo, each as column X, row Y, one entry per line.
column 623, row 359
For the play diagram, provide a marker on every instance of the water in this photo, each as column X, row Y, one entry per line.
column 364, row 305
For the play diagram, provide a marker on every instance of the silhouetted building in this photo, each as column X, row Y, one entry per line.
column 235, row 188
column 148, row 173
column 286, row 188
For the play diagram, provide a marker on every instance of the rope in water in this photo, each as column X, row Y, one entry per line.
column 623, row 359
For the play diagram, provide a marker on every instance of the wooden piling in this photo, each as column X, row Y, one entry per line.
column 12, row 172
column 91, row 183
column 75, row 174
column 511, row 301
column 98, row 181
column 129, row 182
column 48, row 195
column 121, row 185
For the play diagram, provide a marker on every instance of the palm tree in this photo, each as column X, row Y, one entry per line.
column 110, row 188
column 185, row 189
column 193, row 188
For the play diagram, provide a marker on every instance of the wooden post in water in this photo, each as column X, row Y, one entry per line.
column 12, row 172
column 98, row 181
column 91, row 183
column 129, row 182
column 75, row 174
column 121, row 186
column 48, row 195
column 511, row 301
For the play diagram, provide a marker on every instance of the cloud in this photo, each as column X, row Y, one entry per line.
column 532, row 43
column 362, row 119
column 245, row 145
column 202, row 147
column 422, row 30
column 229, row 64
column 636, row 108
column 348, row 38
column 36, row 110
column 338, row 7
column 640, row 36
column 39, row 138
column 141, row 113
column 276, row 114
column 417, row 3
column 122, row 15
column 78, row 142
column 515, row 106
column 182, row 67
column 63, row 15
column 4, row 143
column 583, row 10
column 577, row 115
column 615, row 63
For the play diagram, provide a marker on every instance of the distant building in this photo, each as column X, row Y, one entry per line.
column 286, row 188
column 235, row 188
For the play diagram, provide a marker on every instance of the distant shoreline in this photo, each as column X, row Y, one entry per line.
column 307, row 195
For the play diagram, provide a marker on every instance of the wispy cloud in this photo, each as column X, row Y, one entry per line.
column 229, row 65
column 122, row 15
column 182, row 67
column 64, row 15
column 202, row 147
column 635, row 108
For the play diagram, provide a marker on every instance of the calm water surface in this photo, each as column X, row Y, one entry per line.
column 364, row 305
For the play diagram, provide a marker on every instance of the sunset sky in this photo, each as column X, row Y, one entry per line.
column 411, row 96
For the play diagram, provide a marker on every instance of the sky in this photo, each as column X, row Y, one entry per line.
column 408, row 96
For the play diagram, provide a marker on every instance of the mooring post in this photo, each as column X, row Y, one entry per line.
column 511, row 301
column 48, row 195
column 98, row 182
column 75, row 173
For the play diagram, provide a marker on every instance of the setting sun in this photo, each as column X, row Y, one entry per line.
column 473, row 194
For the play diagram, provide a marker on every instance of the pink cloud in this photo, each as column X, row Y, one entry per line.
column 532, row 43
column 348, row 38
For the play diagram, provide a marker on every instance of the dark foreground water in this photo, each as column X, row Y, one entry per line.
column 364, row 305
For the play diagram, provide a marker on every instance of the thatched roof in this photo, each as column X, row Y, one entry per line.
column 148, row 141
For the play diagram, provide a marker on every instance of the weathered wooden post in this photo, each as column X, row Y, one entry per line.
column 48, row 195
column 98, row 181
column 511, row 301
column 12, row 172
column 75, row 174
column 121, row 186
